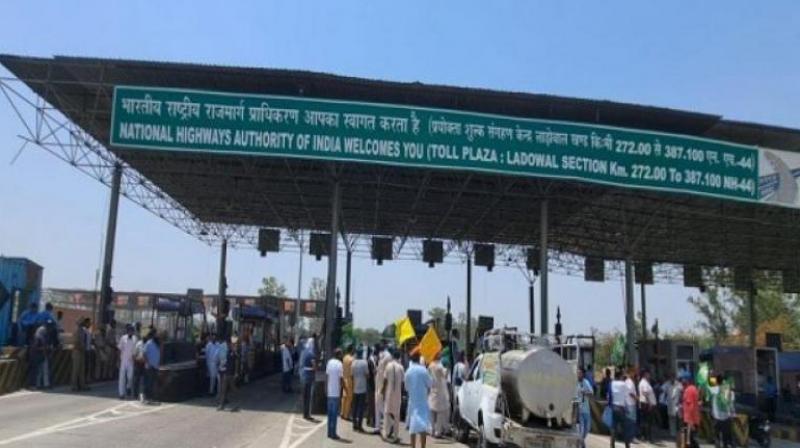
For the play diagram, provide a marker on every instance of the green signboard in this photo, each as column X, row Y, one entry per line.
column 266, row 125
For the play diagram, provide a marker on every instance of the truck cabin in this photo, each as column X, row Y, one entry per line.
column 577, row 350
column 180, row 322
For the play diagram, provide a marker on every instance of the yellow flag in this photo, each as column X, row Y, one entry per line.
column 403, row 330
column 430, row 345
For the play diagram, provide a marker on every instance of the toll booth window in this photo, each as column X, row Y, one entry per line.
column 271, row 341
column 199, row 326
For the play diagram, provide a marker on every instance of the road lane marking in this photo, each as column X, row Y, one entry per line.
column 23, row 393
column 301, row 431
column 112, row 414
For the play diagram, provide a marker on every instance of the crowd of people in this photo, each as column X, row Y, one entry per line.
column 366, row 386
column 636, row 404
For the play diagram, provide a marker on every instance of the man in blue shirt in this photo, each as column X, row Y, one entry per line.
column 152, row 359
column 583, row 391
column 26, row 324
column 307, row 365
column 418, row 385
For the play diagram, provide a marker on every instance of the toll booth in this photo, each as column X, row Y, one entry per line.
column 664, row 357
column 180, row 322
column 789, row 365
column 258, row 326
column 748, row 367
column 20, row 285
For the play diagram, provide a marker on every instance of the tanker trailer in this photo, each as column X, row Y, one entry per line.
column 519, row 394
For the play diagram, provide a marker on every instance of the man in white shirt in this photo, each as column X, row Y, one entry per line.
column 647, row 406
column 383, row 361
column 333, row 373
column 288, row 366
column 620, row 395
column 212, row 347
column 674, row 410
column 126, row 346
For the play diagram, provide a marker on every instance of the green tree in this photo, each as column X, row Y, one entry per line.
column 270, row 286
column 725, row 312
column 369, row 336
column 715, row 310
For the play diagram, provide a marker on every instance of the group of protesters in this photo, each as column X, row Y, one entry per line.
column 224, row 358
column 39, row 332
column 365, row 386
column 97, row 353
column 636, row 402
column 100, row 354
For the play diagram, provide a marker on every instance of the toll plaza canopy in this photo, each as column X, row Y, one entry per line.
column 223, row 151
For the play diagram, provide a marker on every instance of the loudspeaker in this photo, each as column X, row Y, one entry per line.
column 643, row 273
column 532, row 260
column 415, row 316
column 692, row 276
column 485, row 323
column 594, row 269
column 381, row 249
column 268, row 241
column 742, row 278
column 484, row 255
column 318, row 245
column 791, row 282
column 775, row 340
column 432, row 252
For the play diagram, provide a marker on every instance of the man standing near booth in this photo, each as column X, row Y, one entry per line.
column 308, row 363
column 152, row 358
column 333, row 372
column 392, row 397
column 647, row 406
column 360, row 371
column 347, row 386
column 287, row 366
column 418, row 386
column 211, row 363
column 126, row 346
column 583, row 392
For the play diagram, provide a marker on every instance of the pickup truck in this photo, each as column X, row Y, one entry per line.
column 496, row 401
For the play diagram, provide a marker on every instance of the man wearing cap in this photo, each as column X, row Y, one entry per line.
column 126, row 347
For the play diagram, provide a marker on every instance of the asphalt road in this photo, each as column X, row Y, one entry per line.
column 263, row 417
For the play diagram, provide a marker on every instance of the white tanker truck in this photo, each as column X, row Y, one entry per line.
column 518, row 392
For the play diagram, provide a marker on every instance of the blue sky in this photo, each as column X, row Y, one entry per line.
column 739, row 59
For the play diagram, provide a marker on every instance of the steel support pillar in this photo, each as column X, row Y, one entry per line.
column 108, row 252
column 223, row 289
column 330, row 298
column 467, row 337
column 630, row 323
column 644, row 312
column 296, row 326
column 543, row 267
column 531, row 308
column 751, row 303
column 347, row 284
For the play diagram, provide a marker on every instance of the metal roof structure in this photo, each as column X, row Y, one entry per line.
column 214, row 197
